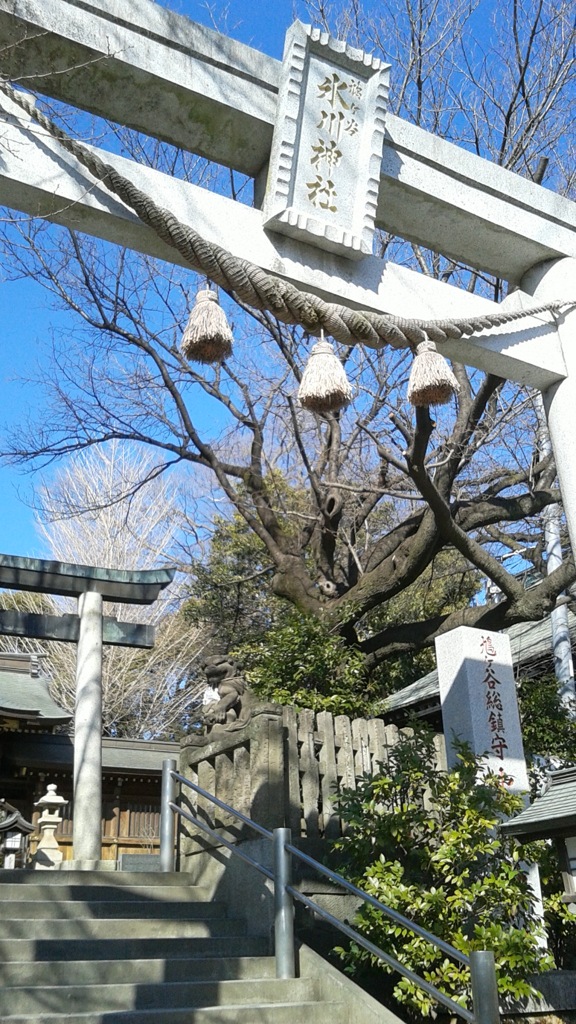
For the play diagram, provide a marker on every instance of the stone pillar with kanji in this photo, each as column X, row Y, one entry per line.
column 480, row 708
column 479, row 703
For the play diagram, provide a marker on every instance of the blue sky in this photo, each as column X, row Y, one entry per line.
column 262, row 25
column 26, row 326
column 26, row 316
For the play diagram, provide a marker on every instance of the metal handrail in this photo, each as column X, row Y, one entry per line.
column 224, row 807
column 394, row 915
column 480, row 963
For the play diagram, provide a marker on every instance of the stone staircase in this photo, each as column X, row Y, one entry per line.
column 148, row 948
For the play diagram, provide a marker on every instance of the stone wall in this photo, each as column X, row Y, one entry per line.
column 285, row 768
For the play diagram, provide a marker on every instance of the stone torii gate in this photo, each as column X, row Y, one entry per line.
column 89, row 630
column 326, row 174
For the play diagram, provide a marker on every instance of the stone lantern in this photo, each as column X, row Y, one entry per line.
column 48, row 855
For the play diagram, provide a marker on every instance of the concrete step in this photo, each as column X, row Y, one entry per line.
column 25, row 876
column 175, row 995
column 20, row 950
column 69, row 910
column 118, row 928
column 279, row 1013
column 34, row 890
column 124, row 948
column 135, row 972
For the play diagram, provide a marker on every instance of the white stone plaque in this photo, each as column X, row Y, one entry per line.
column 479, row 703
column 327, row 150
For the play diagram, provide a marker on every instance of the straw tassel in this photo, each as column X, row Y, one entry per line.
column 324, row 386
column 207, row 336
column 431, row 379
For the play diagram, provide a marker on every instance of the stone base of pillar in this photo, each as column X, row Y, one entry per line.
column 87, row 865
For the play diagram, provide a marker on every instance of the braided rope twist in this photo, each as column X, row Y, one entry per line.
column 251, row 284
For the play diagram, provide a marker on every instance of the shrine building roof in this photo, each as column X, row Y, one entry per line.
column 24, row 693
column 551, row 814
column 54, row 753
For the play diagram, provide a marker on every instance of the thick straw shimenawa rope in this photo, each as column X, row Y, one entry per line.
column 253, row 285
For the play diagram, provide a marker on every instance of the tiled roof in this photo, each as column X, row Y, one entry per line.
column 529, row 641
column 25, row 696
column 424, row 689
column 552, row 813
column 53, row 752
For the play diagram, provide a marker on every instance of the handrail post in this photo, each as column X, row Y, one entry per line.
column 283, row 905
column 484, row 987
column 167, row 816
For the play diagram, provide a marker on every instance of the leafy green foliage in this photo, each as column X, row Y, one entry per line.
column 560, row 922
column 231, row 591
column 548, row 724
column 287, row 657
column 426, row 843
column 299, row 662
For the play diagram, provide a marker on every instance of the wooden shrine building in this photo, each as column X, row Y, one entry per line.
column 36, row 749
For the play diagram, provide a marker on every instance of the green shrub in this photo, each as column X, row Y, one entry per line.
column 426, row 843
column 300, row 662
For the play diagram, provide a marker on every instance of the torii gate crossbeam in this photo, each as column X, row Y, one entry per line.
column 39, row 178
column 199, row 90
column 190, row 86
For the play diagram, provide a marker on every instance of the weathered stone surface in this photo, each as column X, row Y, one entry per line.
column 48, row 854
column 38, row 177
column 479, row 704
column 166, row 76
column 148, row 68
column 324, row 171
column 558, row 277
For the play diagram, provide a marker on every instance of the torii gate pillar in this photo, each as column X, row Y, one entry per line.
column 547, row 281
column 87, row 839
